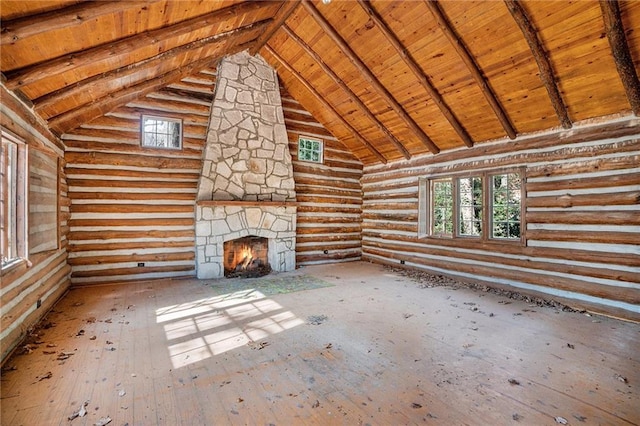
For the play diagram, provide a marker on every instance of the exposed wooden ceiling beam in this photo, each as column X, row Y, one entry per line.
column 411, row 63
column 369, row 76
column 326, row 104
column 109, row 52
column 620, row 50
column 287, row 8
column 21, row 28
column 145, row 68
column 466, row 57
column 540, row 55
column 74, row 118
column 354, row 98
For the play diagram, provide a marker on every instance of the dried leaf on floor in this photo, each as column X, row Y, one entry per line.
column 317, row 319
column 103, row 421
column 622, row 378
column 81, row 412
column 46, row 375
column 315, row 404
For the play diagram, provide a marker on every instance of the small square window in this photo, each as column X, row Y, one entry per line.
column 160, row 132
column 310, row 150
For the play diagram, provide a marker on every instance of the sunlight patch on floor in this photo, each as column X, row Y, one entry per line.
column 207, row 327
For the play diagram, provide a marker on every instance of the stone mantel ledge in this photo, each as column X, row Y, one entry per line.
column 239, row 203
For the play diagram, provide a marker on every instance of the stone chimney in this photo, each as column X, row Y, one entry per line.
column 246, row 186
column 247, row 152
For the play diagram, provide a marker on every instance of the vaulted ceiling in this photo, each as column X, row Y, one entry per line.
column 391, row 79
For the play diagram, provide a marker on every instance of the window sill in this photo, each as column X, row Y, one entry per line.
column 14, row 263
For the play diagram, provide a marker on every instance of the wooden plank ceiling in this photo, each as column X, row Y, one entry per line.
column 390, row 79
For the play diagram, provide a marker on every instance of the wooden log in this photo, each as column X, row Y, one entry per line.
column 68, row 97
column 346, row 89
column 77, row 223
column 109, row 51
column 604, row 237
column 74, row 118
column 131, row 208
column 620, row 50
column 132, row 272
column 168, row 161
column 539, row 53
column 345, row 229
column 474, row 69
column 74, row 15
column 327, row 210
column 379, row 88
column 129, row 183
column 567, row 200
column 324, row 257
column 328, row 238
column 326, row 104
column 309, row 180
column 571, row 182
column 78, row 236
column 158, row 175
column 134, row 257
column 422, row 78
column 621, row 218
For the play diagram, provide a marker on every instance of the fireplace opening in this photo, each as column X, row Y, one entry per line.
column 246, row 257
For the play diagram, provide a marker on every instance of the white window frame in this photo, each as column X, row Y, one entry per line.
column 320, row 142
column 143, row 133
column 13, row 200
column 425, row 206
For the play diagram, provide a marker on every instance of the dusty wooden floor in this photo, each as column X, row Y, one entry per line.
column 388, row 353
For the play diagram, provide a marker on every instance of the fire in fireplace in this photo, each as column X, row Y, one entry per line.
column 246, row 257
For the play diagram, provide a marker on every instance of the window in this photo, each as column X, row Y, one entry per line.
column 505, row 207
column 160, row 132
column 310, row 149
column 470, row 206
column 485, row 206
column 13, row 190
column 442, row 202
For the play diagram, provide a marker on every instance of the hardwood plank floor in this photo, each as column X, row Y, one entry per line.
column 390, row 352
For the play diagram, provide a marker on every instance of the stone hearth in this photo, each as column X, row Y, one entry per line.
column 246, row 187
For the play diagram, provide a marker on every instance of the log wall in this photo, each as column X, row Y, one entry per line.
column 132, row 205
column 132, row 208
column 329, row 195
column 29, row 289
column 582, row 213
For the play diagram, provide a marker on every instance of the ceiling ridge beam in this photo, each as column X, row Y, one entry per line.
column 547, row 74
column 74, row 118
column 20, row 28
column 471, row 64
column 369, row 76
column 412, row 64
column 326, row 104
column 88, row 84
column 620, row 49
column 346, row 88
column 114, row 49
column 286, row 9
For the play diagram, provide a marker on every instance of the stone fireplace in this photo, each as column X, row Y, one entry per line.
column 246, row 186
